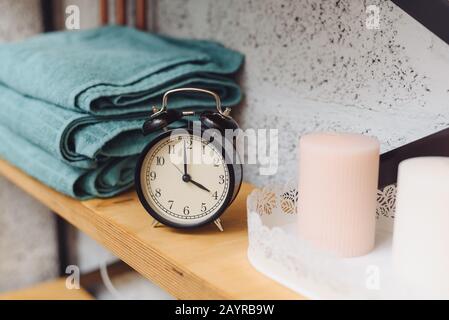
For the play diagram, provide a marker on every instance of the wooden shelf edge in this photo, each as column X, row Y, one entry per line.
column 51, row 290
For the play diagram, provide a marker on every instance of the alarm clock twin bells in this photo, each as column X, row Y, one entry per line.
column 183, row 194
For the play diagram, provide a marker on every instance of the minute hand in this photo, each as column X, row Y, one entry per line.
column 185, row 159
column 199, row 185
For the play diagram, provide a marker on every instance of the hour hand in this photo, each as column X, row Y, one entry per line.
column 199, row 185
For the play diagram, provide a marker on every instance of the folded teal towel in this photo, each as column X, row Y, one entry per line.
column 72, row 103
column 116, row 70
column 80, row 139
column 109, row 179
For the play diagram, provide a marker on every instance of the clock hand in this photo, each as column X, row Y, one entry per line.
column 179, row 170
column 185, row 158
column 199, row 185
column 185, row 176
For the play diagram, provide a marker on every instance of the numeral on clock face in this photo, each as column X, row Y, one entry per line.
column 184, row 197
column 160, row 161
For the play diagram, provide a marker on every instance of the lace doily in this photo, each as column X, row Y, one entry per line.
column 276, row 251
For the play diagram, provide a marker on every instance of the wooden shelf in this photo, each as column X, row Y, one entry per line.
column 53, row 290
column 199, row 264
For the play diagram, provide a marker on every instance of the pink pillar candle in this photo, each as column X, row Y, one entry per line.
column 338, row 175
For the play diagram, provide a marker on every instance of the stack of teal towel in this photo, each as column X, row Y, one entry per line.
column 72, row 104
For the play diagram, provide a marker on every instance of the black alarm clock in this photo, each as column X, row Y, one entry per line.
column 185, row 193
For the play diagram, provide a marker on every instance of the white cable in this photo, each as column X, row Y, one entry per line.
column 107, row 281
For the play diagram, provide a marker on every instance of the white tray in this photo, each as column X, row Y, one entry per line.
column 276, row 251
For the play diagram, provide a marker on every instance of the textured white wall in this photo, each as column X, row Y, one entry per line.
column 312, row 65
column 28, row 251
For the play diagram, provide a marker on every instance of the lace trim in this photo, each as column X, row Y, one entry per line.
column 386, row 202
column 285, row 200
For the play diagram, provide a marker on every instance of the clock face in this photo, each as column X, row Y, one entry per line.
column 185, row 180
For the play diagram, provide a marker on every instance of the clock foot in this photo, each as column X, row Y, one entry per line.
column 218, row 224
column 155, row 223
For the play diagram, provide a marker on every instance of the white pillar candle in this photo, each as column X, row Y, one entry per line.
column 421, row 227
column 338, row 176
